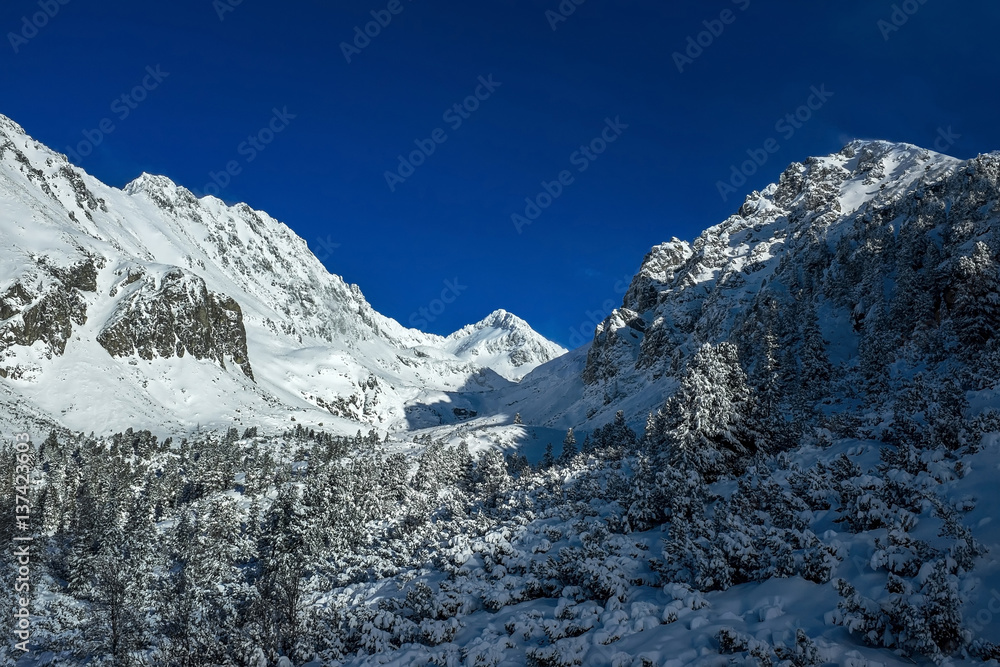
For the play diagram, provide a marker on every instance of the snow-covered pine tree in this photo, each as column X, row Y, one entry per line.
column 616, row 437
column 705, row 426
column 816, row 369
column 204, row 590
column 876, row 351
column 646, row 504
column 491, row 477
column 547, row 460
column 569, row 449
column 288, row 551
column 976, row 310
column 119, row 573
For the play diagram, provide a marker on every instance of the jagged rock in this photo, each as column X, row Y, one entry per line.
column 43, row 306
column 48, row 317
column 178, row 316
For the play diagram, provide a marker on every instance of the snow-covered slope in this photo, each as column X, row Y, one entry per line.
column 148, row 307
column 855, row 269
column 819, row 491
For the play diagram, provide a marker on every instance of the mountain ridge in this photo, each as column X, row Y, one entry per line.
column 130, row 284
column 774, row 269
column 789, row 270
column 817, row 376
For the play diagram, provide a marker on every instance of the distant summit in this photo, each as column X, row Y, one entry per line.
column 505, row 343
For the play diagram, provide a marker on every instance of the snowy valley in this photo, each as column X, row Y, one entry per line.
column 779, row 450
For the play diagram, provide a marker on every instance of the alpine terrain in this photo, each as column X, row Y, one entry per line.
column 148, row 306
column 779, row 450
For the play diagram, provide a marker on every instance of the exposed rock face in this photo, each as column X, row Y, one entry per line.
column 617, row 340
column 81, row 276
column 361, row 406
column 43, row 306
column 47, row 316
column 178, row 316
column 658, row 269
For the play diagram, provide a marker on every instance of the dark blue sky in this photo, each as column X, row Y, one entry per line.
column 324, row 174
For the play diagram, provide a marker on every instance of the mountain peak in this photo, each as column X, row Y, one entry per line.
column 808, row 248
column 505, row 343
column 147, row 182
column 499, row 319
column 877, row 145
column 862, row 155
column 8, row 127
column 502, row 319
column 194, row 295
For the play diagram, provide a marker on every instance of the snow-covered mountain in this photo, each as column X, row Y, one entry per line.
column 505, row 343
column 851, row 274
column 816, row 375
column 150, row 307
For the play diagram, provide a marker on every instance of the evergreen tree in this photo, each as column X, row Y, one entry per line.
column 569, row 447
column 491, row 477
column 646, row 502
column 517, row 464
column 205, row 592
column 876, row 351
column 977, row 302
column 286, row 565
column 616, row 437
column 547, row 460
column 462, row 464
column 705, row 426
column 430, row 475
column 942, row 606
column 115, row 573
column 816, row 369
